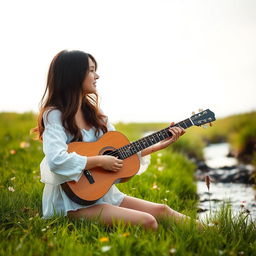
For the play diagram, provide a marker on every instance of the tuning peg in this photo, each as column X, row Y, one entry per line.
column 210, row 124
column 200, row 109
column 193, row 113
column 205, row 126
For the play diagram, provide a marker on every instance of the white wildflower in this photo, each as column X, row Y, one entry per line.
column 172, row 251
column 11, row 189
column 160, row 168
column 105, row 248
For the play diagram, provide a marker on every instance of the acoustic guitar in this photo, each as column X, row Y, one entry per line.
column 96, row 182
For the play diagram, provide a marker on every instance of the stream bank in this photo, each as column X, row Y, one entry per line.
column 231, row 182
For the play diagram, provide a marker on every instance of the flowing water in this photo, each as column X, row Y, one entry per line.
column 242, row 197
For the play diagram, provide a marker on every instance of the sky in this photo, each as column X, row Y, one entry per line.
column 159, row 60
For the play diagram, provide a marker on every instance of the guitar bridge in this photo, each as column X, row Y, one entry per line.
column 89, row 177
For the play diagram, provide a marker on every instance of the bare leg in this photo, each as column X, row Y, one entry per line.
column 155, row 209
column 109, row 213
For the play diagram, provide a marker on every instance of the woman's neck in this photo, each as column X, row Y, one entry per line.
column 80, row 121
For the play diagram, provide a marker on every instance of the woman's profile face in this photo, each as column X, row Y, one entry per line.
column 89, row 83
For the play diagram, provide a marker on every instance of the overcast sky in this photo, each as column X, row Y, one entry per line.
column 158, row 59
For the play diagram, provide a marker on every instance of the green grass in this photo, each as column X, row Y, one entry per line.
column 24, row 232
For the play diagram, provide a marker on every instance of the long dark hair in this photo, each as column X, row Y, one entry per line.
column 66, row 74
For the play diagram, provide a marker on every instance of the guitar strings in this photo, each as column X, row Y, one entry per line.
column 115, row 152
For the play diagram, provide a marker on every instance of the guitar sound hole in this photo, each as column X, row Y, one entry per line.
column 111, row 153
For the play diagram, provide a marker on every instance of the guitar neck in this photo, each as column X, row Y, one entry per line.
column 137, row 146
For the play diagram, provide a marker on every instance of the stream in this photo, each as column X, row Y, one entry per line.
column 228, row 185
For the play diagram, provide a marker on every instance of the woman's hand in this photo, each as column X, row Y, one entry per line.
column 110, row 163
column 176, row 133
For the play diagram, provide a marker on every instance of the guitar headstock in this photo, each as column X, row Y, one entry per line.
column 203, row 117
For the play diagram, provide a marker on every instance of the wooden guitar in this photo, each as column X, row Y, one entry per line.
column 96, row 182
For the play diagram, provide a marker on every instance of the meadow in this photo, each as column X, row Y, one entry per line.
column 169, row 180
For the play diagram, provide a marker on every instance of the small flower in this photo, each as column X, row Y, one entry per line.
column 24, row 144
column 155, row 186
column 126, row 234
column 104, row 239
column 11, row 189
column 12, row 151
column 167, row 191
column 43, row 229
column 159, row 154
column 13, row 178
column 105, row 248
column 173, row 251
column 160, row 168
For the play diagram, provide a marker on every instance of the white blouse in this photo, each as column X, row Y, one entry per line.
column 59, row 166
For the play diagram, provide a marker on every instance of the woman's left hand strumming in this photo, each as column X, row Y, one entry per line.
column 176, row 133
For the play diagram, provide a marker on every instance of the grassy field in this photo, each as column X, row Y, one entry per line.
column 169, row 179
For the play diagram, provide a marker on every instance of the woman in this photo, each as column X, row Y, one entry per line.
column 70, row 112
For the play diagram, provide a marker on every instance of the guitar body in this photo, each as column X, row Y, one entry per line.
column 85, row 193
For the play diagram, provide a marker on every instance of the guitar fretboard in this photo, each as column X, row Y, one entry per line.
column 136, row 146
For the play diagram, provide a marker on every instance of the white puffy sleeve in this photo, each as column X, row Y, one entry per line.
column 144, row 161
column 63, row 165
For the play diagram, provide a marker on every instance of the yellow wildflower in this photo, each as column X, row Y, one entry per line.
column 126, row 234
column 24, row 144
column 104, row 239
